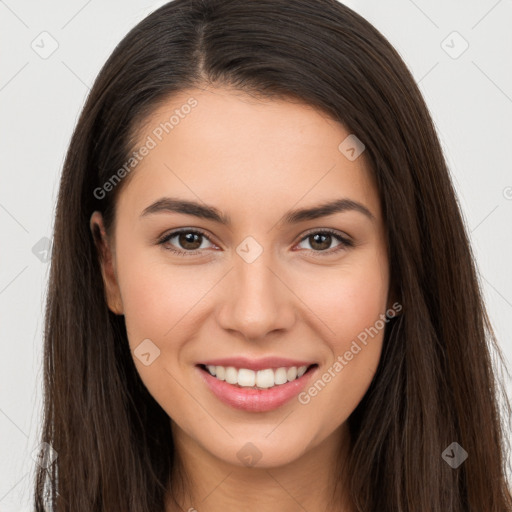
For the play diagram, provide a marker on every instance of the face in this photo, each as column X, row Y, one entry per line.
column 246, row 281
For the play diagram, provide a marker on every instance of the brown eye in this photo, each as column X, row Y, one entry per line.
column 188, row 242
column 321, row 241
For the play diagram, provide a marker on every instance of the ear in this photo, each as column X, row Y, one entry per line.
column 106, row 259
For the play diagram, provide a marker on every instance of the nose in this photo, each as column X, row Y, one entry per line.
column 257, row 300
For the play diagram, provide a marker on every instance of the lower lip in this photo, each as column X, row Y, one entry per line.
column 255, row 400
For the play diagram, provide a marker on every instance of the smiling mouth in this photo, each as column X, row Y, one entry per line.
column 261, row 379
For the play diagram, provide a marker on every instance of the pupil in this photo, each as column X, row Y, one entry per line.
column 187, row 239
column 321, row 244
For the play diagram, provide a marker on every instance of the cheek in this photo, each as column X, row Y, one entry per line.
column 349, row 299
column 159, row 301
column 352, row 304
column 157, row 297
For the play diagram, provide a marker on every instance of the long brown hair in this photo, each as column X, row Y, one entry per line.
column 436, row 381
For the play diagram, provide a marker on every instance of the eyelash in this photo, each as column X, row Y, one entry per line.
column 344, row 242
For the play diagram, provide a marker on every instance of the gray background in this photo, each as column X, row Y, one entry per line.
column 468, row 91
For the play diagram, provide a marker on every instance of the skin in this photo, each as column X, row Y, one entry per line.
column 253, row 160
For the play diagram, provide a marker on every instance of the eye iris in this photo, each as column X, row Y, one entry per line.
column 320, row 245
column 187, row 239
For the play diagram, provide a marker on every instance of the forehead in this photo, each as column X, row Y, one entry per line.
column 226, row 146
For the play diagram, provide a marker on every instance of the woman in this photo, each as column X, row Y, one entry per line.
column 262, row 293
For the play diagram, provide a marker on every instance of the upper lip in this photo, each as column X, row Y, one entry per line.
column 256, row 364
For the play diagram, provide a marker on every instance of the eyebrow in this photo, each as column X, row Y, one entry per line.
column 174, row 205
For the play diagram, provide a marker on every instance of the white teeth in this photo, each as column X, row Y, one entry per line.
column 291, row 373
column 261, row 379
column 231, row 375
column 265, row 378
column 280, row 376
column 220, row 372
column 246, row 377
